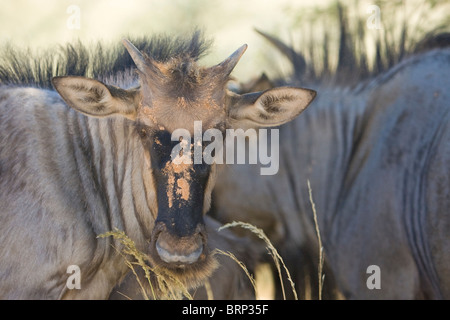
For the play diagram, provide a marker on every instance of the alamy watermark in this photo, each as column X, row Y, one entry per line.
column 74, row 280
column 374, row 280
column 74, row 20
column 259, row 148
column 373, row 22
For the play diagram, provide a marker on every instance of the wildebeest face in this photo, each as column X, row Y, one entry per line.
column 173, row 95
column 179, row 237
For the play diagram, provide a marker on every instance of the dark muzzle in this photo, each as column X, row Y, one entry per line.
column 178, row 249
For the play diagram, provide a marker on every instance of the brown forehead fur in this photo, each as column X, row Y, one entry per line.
column 178, row 92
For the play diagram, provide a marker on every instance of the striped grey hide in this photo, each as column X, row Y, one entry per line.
column 377, row 156
column 92, row 155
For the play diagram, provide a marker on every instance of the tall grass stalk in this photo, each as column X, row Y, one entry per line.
column 320, row 267
column 272, row 251
column 241, row 264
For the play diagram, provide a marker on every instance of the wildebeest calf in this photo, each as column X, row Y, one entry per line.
column 90, row 157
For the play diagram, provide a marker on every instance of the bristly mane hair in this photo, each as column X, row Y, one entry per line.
column 313, row 63
column 25, row 67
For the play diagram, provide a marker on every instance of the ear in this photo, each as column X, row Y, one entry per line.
column 270, row 108
column 94, row 98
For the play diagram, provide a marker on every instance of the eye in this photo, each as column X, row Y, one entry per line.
column 142, row 130
column 142, row 133
column 202, row 169
column 160, row 147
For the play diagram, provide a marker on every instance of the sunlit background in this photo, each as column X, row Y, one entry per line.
column 42, row 23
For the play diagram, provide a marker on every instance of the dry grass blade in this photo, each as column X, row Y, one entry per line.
column 320, row 268
column 141, row 286
column 241, row 264
column 273, row 252
column 208, row 289
column 129, row 248
column 167, row 288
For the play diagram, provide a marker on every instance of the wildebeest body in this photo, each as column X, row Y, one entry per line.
column 64, row 191
column 378, row 158
column 393, row 209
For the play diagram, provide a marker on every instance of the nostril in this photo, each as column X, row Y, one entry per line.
column 182, row 251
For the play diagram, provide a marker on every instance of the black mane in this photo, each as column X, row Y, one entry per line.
column 25, row 67
column 340, row 55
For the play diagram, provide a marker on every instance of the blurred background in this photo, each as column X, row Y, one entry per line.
column 352, row 39
column 230, row 23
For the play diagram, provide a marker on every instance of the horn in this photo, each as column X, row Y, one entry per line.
column 136, row 55
column 228, row 64
column 296, row 58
